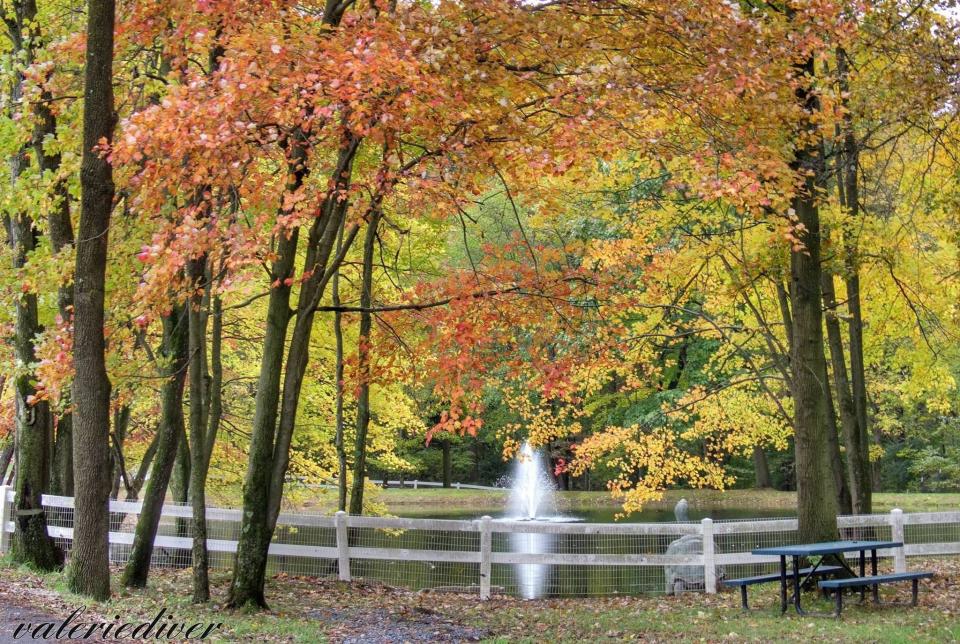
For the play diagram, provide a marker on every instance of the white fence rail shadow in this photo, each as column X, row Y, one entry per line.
column 527, row 558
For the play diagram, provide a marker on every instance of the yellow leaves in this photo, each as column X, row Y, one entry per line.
column 736, row 419
column 645, row 462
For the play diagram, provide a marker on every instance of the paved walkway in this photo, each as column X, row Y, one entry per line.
column 11, row 616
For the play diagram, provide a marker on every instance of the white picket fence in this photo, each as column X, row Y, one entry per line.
column 474, row 547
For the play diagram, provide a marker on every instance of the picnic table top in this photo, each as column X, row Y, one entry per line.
column 825, row 548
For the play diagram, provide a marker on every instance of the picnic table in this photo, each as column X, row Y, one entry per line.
column 833, row 549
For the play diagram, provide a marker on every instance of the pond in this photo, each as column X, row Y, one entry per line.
column 546, row 580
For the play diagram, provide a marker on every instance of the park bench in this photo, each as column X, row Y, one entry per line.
column 837, row 585
column 744, row 582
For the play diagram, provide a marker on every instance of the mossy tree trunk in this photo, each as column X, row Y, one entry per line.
column 171, row 434
column 34, row 421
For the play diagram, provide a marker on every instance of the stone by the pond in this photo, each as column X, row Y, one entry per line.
column 681, row 578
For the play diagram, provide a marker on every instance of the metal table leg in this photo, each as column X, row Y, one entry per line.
column 863, row 573
column 873, row 569
column 783, row 584
column 796, row 585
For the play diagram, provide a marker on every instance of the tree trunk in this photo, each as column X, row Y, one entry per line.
column 170, row 435
column 33, row 424
column 60, row 231
column 6, row 457
column 850, row 200
column 261, row 499
column 251, row 561
column 270, row 443
column 363, row 368
column 321, row 243
column 198, row 485
column 200, row 393
column 338, row 437
column 832, row 446
column 180, row 479
column 121, row 419
column 761, row 469
column 204, row 420
column 816, row 499
column 89, row 565
column 858, row 467
column 447, row 465
column 133, row 492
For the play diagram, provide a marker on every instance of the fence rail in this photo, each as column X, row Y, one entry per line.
column 415, row 484
column 529, row 558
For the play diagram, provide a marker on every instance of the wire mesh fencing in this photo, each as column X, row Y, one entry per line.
column 497, row 556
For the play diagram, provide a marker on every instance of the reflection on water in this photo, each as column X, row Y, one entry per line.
column 531, row 578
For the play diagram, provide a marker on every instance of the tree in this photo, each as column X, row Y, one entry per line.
column 363, row 367
column 89, row 567
column 170, row 435
column 34, row 422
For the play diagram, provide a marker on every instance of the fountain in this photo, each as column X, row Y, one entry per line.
column 532, row 499
column 531, row 492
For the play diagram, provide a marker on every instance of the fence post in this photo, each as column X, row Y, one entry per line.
column 709, row 557
column 4, row 517
column 896, row 534
column 343, row 547
column 415, row 484
column 458, row 485
column 486, row 542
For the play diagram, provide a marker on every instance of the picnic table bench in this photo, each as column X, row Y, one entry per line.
column 846, row 577
column 838, row 585
column 744, row 582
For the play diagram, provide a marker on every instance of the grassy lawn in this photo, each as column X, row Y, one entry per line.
column 317, row 610
column 409, row 501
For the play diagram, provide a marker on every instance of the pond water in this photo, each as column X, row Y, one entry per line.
column 609, row 515
column 544, row 580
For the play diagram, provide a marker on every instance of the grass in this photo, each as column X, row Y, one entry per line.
column 408, row 501
column 317, row 610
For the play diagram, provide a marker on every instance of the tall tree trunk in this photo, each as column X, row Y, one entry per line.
column 200, row 393
column 262, row 489
column 204, row 419
column 170, row 435
column 338, row 437
column 251, row 560
column 60, row 231
column 363, row 367
column 34, row 424
column 322, row 240
column 849, row 182
column 270, row 443
column 858, row 467
column 90, row 565
column 761, row 469
column 198, row 484
column 816, row 498
column 34, row 429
